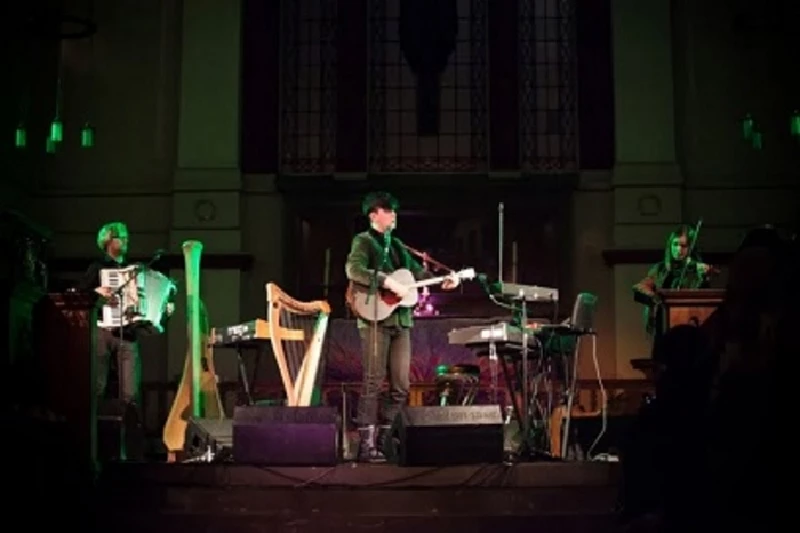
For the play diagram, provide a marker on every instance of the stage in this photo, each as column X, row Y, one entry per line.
column 544, row 496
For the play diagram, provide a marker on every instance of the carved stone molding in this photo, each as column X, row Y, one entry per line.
column 647, row 174
column 207, row 179
column 649, row 205
column 205, row 210
column 232, row 261
column 629, row 256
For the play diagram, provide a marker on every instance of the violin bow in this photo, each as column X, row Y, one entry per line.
column 689, row 253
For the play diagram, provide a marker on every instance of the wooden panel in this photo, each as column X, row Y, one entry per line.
column 65, row 327
column 691, row 307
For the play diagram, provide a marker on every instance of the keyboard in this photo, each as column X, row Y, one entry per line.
column 501, row 334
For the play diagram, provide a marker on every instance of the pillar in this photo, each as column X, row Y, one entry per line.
column 646, row 181
column 206, row 197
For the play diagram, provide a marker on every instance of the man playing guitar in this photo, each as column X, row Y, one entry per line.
column 386, row 344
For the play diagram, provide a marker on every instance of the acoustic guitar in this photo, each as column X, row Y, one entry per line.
column 379, row 305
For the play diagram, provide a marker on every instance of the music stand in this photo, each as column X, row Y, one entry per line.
column 580, row 323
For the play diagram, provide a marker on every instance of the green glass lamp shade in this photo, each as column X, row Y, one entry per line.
column 794, row 124
column 21, row 137
column 56, row 130
column 87, row 135
column 748, row 126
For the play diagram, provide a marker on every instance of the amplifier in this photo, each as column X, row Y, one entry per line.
column 208, row 439
column 291, row 436
column 449, row 435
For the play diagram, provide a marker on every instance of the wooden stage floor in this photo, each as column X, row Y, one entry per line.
column 233, row 498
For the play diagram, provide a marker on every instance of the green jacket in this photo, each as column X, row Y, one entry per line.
column 658, row 277
column 366, row 252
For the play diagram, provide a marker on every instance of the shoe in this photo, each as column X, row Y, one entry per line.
column 368, row 450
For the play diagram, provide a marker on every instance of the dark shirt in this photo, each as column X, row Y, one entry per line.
column 368, row 260
column 660, row 277
column 91, row 280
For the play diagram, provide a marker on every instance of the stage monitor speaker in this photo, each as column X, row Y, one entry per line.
column 450, row 435
column 585, row 430
column 208, row 439
column 119, row 433
column 289, row 436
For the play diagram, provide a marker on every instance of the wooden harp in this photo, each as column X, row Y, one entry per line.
column 197, row 395
column 297, row 333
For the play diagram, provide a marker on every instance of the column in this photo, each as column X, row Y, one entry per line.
column 647, row 181
column 207, row 182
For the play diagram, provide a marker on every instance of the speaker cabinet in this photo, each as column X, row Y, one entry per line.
column 451, row 435
column 120, row 436
column 210, row 437
column 290, row 436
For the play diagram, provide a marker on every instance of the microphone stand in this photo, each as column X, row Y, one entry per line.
column 425, row 258
column 118, row 294
column 373, row 293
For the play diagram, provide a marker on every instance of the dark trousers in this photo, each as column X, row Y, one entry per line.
column 127, row 353
column 384, row 350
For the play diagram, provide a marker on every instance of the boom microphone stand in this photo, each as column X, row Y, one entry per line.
column 374, row 294
column 426, row 258
column 526, row 450
column 123, row 408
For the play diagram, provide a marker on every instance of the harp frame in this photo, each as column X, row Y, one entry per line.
column 300, row 389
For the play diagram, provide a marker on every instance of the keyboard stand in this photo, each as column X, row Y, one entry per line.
column 493, row 373
column 239, row 344
column 525, row 421
column 243, row 375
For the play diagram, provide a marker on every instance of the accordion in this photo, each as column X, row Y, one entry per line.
column 142, row 298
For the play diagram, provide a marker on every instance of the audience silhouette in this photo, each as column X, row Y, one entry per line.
column 702, row 455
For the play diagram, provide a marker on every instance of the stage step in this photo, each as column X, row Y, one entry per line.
column 550, row 497
column 316, row 523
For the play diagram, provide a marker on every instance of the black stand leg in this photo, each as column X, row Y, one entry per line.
column 243, row 376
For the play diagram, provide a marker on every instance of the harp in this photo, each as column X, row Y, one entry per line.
column 297, row 332
column 197, row 394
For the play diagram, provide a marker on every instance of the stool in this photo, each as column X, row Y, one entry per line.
column 457, row 384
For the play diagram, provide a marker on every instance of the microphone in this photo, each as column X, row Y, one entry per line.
column 493, row 288
column 156, row 256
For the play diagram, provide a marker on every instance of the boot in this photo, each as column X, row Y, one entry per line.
column 368, row 450
column 386, row 443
